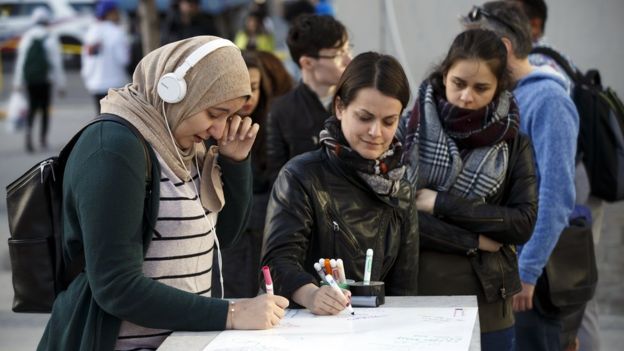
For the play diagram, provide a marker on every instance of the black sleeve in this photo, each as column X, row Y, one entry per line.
column 403, row 278
column 510, row 223
column 436, row 234
column 237, row 190
column 276, row 147
column 288, row 229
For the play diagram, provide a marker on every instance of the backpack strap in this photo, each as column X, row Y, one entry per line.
column 574, row 74
column 64, row 154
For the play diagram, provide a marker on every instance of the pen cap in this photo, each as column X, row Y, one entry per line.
column 267, row 275
column 373, row 289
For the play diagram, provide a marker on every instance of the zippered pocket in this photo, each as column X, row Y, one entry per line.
column 342, row 236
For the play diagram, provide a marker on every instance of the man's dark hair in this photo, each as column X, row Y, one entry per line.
column 535, row 9
column 311, row 33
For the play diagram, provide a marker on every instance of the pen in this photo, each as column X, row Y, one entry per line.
column 267, row 280
column 343, row 277
column 319, row 270
column 367, row 266
column 330, row 280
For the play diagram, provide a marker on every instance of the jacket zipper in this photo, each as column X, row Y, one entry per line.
column 33, row 172
column 43, row 165
column 503, row 291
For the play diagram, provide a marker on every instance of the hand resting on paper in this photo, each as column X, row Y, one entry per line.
column 322, row 301
column 261, row 312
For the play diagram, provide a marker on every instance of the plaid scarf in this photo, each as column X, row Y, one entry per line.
column 458, row 150
column 383, row 175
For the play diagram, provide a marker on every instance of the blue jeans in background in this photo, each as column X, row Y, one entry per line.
column 535, row 332
column 501, row 340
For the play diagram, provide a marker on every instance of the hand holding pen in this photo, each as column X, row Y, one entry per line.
column 261, row 312
column 330, row 280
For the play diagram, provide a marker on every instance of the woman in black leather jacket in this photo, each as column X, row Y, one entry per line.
column 477, row 194
column 348, row 196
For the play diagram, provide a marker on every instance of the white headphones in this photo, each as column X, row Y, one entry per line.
column 172, row 87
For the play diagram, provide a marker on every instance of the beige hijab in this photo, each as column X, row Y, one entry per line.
column 218, row 77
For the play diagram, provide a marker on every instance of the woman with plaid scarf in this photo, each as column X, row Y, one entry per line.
column 476, row 181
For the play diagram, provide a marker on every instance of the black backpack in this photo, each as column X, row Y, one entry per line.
column 34, row 206
column 601, row 133
column 36, row 65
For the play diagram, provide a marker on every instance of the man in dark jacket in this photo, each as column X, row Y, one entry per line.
column 320, row 47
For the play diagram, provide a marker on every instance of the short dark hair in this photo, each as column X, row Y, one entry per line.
column 373, row 70
column 508, row 20
column 535, row 9
column 311, row 33
column 480, row 44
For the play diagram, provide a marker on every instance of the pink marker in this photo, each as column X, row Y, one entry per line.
column 267, row 280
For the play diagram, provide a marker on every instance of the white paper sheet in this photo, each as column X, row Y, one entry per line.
column 401, row 329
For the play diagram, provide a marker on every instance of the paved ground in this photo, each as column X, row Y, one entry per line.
column 22, row 331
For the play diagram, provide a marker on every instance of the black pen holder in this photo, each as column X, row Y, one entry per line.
column 376, row 289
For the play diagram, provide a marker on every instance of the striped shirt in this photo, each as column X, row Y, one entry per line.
column 180, row 254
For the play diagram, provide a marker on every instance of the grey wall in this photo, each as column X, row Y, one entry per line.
column 590, row 32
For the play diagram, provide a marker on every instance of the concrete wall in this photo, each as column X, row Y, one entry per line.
column 590, row 32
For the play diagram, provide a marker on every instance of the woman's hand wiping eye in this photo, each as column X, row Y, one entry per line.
column 238, row 138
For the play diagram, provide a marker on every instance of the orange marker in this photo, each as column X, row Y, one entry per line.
column 328, row 266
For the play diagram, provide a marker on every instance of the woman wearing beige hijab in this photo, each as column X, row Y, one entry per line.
column 148, row 250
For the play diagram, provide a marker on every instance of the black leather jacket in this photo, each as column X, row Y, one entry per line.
column 507, row 217
column 321, row 208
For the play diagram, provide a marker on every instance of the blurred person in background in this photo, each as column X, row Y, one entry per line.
column 319, row 45
column 324, row 7
column 241, row 262
column 186, row 20
column 39, row 68
column 105, row 52
column 291, row 9
column 277, row 76
column 255, row 36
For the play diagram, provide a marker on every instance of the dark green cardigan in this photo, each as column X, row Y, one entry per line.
column 103, row 201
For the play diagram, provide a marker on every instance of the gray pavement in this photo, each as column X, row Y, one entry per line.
column 22, row 331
